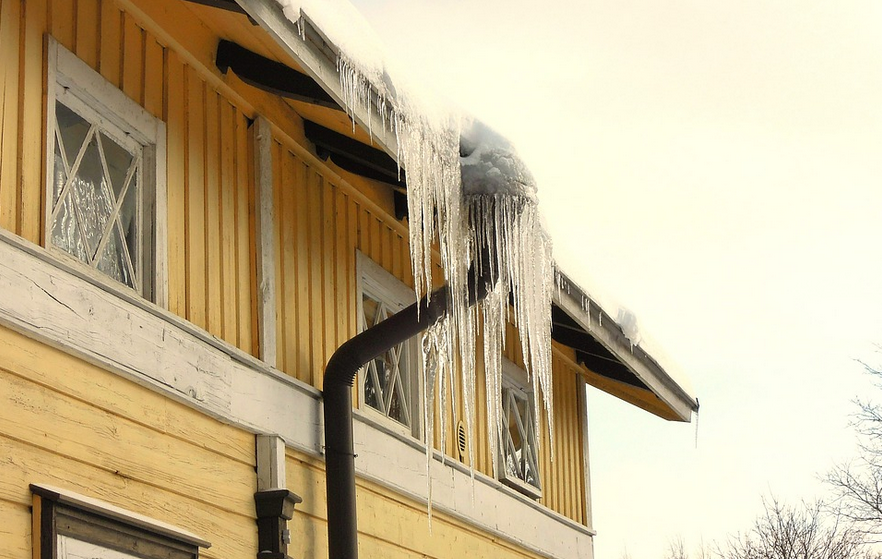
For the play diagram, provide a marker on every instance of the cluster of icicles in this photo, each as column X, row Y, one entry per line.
column 469, row 221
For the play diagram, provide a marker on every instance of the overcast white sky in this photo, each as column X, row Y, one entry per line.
column 715, row 166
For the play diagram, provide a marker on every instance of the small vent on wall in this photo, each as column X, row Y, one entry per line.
column 461, row 441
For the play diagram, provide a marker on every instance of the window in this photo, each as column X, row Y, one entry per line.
column 103, row 154
column 389, row 385
column 72, row 526
column 519, row 460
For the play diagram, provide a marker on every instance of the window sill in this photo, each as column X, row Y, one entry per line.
column 521, row 487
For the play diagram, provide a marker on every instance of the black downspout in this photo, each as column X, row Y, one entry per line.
column 337, row 392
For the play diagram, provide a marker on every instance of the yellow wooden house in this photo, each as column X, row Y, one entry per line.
column 190, row 226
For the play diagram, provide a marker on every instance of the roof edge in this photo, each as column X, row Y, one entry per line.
column 315, row 53
column 590, row 316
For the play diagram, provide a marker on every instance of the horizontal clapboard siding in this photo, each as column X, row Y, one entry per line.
column 117, row 441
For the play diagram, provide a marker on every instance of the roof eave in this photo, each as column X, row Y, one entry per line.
column 312, row 50
column 673, row 403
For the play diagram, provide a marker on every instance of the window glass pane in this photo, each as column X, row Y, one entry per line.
column 73, row 129
column 91, row 196
column 372, row 394
column 128, row 220
column 371, row 310
column 119, row 160
column 66, row 231
column 113, row 260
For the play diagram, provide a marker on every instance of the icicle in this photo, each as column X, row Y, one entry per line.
column 469, row 208
column 429, row 370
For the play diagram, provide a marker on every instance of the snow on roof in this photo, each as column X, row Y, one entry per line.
column 589, row 291
column 490, row 164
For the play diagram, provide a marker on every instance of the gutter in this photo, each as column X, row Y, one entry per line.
column 337, row 393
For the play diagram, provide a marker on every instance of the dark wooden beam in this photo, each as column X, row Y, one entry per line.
column 271, row 76
column 589, row 351
column 228, row 5
column 359, row 159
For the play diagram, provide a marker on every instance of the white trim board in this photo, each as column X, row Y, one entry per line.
column 53, row 303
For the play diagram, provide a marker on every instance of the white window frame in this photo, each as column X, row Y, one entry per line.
column 515, row 379
column 379, row 284
column 75, row 84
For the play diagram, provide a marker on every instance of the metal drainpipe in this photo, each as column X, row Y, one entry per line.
column 337, row 392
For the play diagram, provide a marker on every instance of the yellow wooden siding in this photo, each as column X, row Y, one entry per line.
column 210, row 169
column 117, row 441
column 389, row 525
column 320, row 219
column 318, row 227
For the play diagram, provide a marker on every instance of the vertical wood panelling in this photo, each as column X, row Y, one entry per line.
column 342, row 255
column 110, row 42
column 287, row 255
column 133, row 58
column 302, row 351
column 227, row 249
column 86, row 37
column 212, row 216
column 278, row 248
column 153, row 76
column 249, row 334
column 328, row 285
column 10, row 20
column 176, row 120
column 195, row 199
column 32, row 122
column 315, row 253
column 63, row 22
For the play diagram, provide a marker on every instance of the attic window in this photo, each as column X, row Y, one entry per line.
column 389, row 384
column 73, row 526
column 518, row 445
column 104, row 160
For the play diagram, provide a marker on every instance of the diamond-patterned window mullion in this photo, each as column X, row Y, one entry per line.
column 129, row 258
column 393, row 354
column 61, row 151
column 115, row 205
column 389, row 388
column 522, row 462
column 113, row 220
column 375, row 376
column 72, row 173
